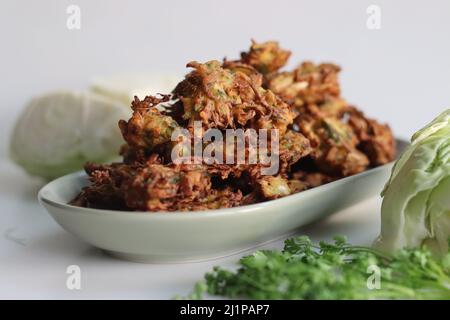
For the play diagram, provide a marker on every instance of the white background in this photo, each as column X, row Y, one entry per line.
column 399, row 74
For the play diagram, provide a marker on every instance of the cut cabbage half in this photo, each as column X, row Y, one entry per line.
column 58, row 132
column 416, row 203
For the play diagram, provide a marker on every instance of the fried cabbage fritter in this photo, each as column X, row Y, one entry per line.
column 314, row 135
column 148, row 126
column 229, row 98
column 265, row 57
column 334, row 144
column 308, row 84
column 375, row 139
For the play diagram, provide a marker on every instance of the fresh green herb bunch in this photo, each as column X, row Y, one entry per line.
column 336, row 270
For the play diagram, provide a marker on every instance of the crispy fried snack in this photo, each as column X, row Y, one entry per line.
column 153, row 187
column 228, row 98
column 317, row 138
column 309, row 84
column 334, row 145
column 148, row 127
column 310, row 180
column 265, row 57
column 375, row 139
column 106, row 189
column 293, row 147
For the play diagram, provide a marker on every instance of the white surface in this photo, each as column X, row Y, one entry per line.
column 35, row 252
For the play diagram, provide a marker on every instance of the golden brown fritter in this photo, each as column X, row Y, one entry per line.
column 152, row 187
column 375, row 140
column 273, row 187
column 105, row 190
column 310, row 85
column 215, row 199
column 224, row 98
column 266, row 57
column 310, row 180
column 334, row 145
column 148, row 127
column 293, row 147
column 238, row 66
column 159, row 187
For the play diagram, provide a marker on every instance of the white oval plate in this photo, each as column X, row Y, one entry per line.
column 195, row 236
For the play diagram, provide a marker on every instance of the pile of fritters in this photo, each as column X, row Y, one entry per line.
column 321, row 137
